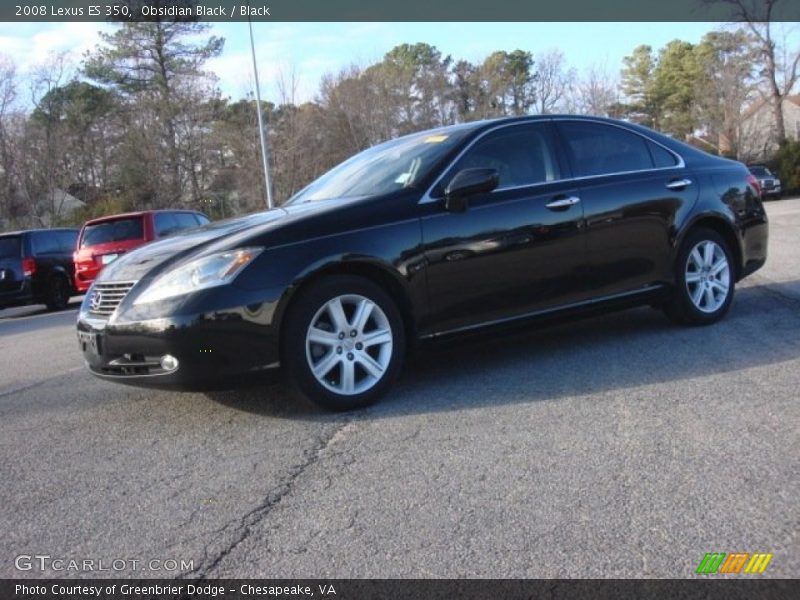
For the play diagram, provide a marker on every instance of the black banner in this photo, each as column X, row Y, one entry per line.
column 407, row 10
column 398, row 589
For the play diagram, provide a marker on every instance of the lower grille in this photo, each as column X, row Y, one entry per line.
column 106, row 296
column 134, row 364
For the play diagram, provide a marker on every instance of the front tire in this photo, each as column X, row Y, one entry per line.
column 705, row 276
column 343, row 342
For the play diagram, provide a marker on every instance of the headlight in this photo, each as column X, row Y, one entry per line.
column 206, row 272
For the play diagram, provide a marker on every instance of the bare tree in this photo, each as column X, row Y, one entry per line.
column 8, row 96
column 552, row 80
column 360, row 107
column 596, row 93
column 238, row 183
column 40, row 169
column 778, row 62
column 287, row 149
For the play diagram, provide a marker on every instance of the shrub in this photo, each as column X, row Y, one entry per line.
column 787, row 166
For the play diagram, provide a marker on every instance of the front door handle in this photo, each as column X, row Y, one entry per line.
column 562, row 203
column 679, row 184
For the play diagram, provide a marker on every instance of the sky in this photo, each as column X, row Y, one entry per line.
column 309, row 50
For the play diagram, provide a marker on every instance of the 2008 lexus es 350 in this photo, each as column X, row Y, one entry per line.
column 434, row 233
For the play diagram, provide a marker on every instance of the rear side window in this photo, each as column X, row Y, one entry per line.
column 68, row 239
column 45, row 242
column 599, row 149
column 201, row 219
column 119, row 230
column 165, row 224
column 9, row 247
column 662, row 157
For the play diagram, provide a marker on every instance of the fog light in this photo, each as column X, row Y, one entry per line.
column 169, row 362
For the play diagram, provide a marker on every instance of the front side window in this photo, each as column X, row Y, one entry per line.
column 521, row 156
column 599, row 149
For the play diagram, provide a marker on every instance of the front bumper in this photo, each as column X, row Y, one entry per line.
column 213, row 349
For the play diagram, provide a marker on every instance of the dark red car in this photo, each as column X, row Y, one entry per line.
column 102, row 240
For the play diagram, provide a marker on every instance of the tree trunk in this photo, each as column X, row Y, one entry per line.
column 777, row 111
column 167, row 115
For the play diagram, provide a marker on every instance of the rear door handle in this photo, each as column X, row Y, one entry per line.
column 562, row 203
column 679, row 184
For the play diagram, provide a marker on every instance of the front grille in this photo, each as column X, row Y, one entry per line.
column 111, row 294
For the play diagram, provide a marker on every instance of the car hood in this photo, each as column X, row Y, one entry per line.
column 134, row 265
column 154, row 257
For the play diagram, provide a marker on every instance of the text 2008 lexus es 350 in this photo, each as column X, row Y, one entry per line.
column 430, row 234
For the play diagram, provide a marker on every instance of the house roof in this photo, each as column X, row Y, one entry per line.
column 762, row 102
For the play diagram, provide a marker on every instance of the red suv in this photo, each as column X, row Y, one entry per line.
column 104, row 239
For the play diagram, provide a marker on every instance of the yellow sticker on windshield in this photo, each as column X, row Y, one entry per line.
column 435, row 139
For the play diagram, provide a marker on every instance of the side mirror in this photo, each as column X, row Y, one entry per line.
column 466, row 183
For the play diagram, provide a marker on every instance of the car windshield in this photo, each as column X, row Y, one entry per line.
column 119, row 230
column 760, row 171
column 384, row 168
column 9, row 247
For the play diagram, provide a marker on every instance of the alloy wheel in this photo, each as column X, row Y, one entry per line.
column 349, row 344
column 708, row 276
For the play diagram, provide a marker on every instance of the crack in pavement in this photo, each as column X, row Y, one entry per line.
column 30, row 386
column 246, row 523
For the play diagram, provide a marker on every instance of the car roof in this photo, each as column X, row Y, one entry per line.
column 43, row 229
column 488, row 123
column 139, row 213
column 686, row 151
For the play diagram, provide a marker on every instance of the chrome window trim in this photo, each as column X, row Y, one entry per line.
column 427, row 198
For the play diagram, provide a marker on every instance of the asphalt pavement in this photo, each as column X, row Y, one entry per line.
column 620, row 446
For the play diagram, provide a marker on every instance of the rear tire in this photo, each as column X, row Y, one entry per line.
column 705, row 276
column 343, row 342
column 58, row 294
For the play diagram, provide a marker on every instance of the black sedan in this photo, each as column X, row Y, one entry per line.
column 432, row 234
